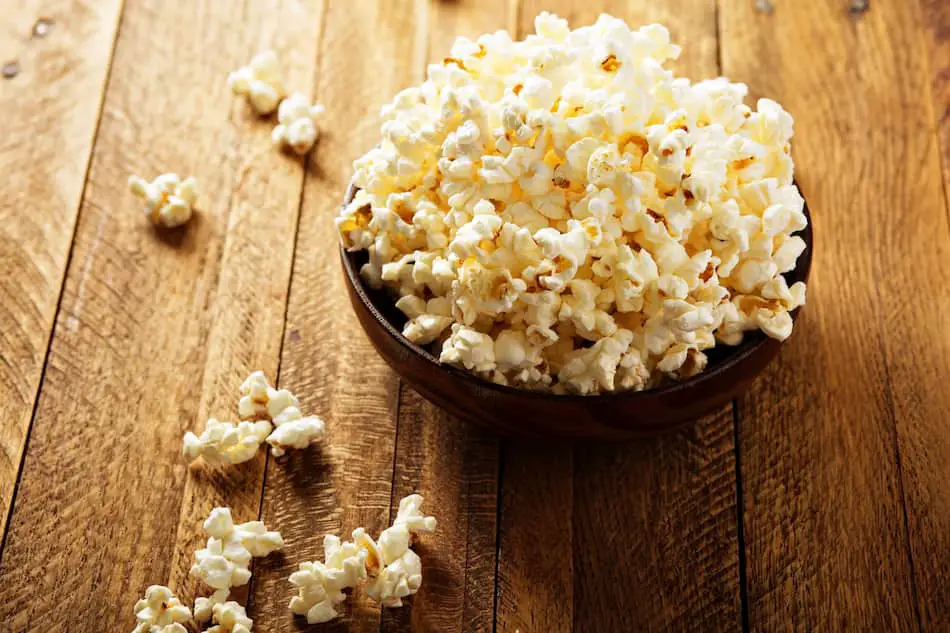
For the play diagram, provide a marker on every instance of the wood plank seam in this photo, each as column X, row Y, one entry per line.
column 62, row 282
column 740, row 515
column 498, row 505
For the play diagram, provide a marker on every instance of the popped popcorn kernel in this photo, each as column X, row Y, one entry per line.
column 169, row 200
column 224, row 561
column 291, row 429
column 226, row 442
column 230, row 617
column 565, row 214
column 160, row 611
column 260, row 81
column 297, row 128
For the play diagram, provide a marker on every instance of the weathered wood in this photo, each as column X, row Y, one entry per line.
column 639, row 535
column 367, row 52
column 156, row 330
column 51, row 110
column 825, row 525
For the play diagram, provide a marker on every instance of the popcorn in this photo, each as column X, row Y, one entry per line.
column 297, row 128
column 204, row 606
column 261, row 401
column 389, row 568
column 298, row 432
column 291, row 428
column 160, row 612
column 230, row 617
column 226, row 442
column 320, row 585
column 223, row 563
column 563, row 213
column 169, row 200
column 260, row 81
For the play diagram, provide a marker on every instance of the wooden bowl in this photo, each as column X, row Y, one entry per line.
column 518, row 412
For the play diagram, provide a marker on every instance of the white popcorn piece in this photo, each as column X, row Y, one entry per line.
column 320, row 586
column 410, row 515
column 260, row 81
column 223, row 563
column 226, row 442
column 230, row 617
column 261, row 401
column 291, row 428
column 297, row 128
column 160, row 612
column 169, row 200
column 204, row 606
column 397, row 580
column 563, row 213
column 299, row 433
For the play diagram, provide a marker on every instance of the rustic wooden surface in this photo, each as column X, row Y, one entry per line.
column 819, row 501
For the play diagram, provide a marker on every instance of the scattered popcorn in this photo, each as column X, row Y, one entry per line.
column 297, row 128
column 226, row 442
column 291, row 429
column 261, row 401
column 299, row 432
column 563, row 213
column 230, row 617
column 260, row 81
column 204, row 606
column 160, row 612
column 410, row 515
column 169, row 200
column 390, row 569
column 223, row 563
column 320, row 585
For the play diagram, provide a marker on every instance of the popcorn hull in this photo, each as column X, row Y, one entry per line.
column 516, row 412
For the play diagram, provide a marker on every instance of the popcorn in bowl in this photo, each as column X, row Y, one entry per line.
column 564, row 214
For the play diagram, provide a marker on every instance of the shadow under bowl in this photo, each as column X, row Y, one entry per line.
column 518, row 412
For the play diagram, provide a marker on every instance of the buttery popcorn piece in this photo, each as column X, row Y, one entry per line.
column 291, row 428
column 260, row 81
column 297, row 128
column 230, row 617
column 169, row 200
column 160, row 612
column 226, row 442
column 562, row 213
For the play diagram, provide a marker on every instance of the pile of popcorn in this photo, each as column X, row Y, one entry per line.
column 562, row 213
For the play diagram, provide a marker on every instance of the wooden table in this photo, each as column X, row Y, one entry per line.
column 819, row 501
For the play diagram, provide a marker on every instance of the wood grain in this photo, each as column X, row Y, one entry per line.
column 654, row 534
column 156, row 330
column 935, row 19
column 825, row 525
column 51, row 110
column 346, row 481
column 453, row 465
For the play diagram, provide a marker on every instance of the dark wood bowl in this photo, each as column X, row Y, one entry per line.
column 518, row 412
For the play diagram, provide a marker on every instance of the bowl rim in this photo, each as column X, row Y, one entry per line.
column 801, row 270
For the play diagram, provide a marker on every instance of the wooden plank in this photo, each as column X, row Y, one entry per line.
column 247, row 332
column 654, row 533
column 155, row 331
column 917, row 366
column 825, row 524
column 51, row 110
column 453, row 465
column 936, row 17
column 327, row 361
